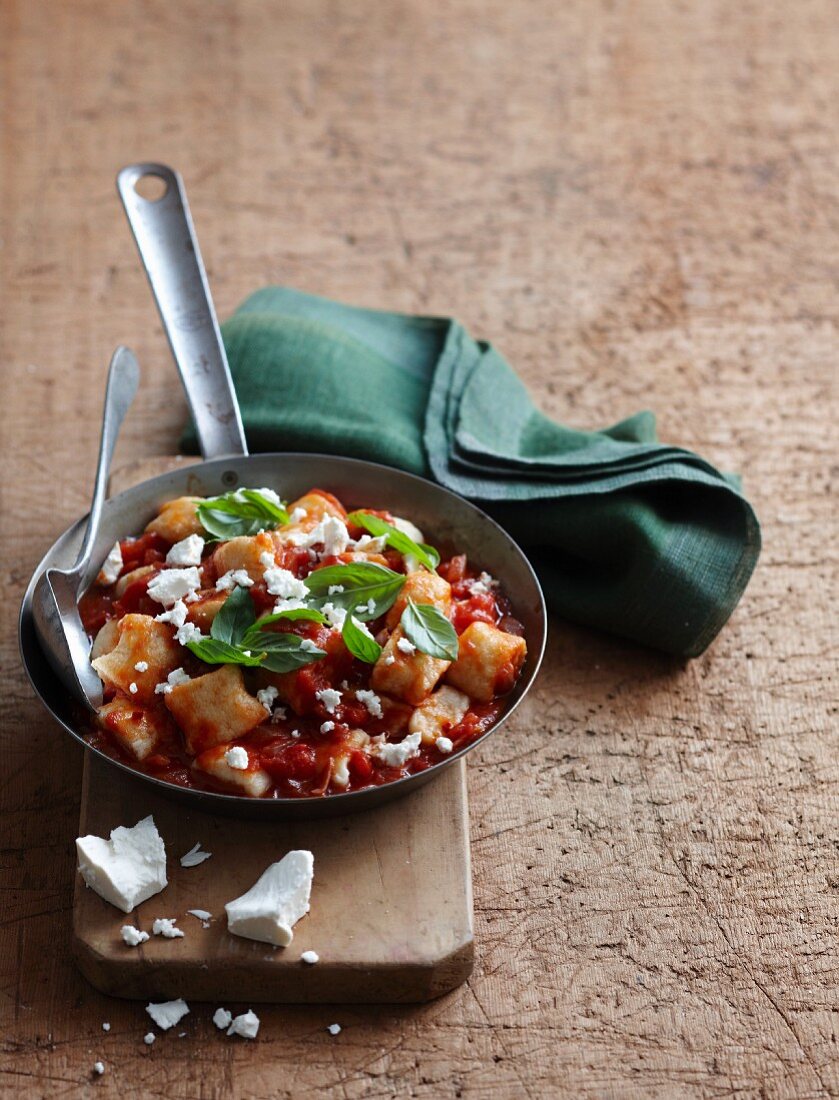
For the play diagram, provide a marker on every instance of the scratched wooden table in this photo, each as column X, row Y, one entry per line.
column 637, row 203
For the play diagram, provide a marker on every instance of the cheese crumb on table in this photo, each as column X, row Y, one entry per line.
column 310, row 957
column 246, row 1025
column 222, row 1018
column 99, row 1068
column 165, row 926
column 194, row 856
column 106, row 1026
column 167, row 1013
column 334, row 1029
column 132, row 936
column 149, row 1038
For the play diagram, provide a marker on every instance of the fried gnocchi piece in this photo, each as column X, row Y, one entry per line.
column 316, row 504
column 203, row 610
column 339, row 774
column 214, row 709
column 129, row 578
column 136, row 729
column 105, row 640
column 408, row 676
column 252, row 780
column 244, row 552
column 421, row 587
column 439, row 713
column 143, row 642
column 488, row 661
column 177, row 519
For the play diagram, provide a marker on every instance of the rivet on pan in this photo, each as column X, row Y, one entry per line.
column 229, row 477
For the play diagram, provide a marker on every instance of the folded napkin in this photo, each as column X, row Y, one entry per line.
column 628, row 535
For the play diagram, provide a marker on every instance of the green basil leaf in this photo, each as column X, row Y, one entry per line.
column 286, row 652
column 242, row 512
column 397, row 539
column 215, row 652
column 359, row 642
column 234, row 618
column 361, row 581
column 429, row 630
column 293, row 615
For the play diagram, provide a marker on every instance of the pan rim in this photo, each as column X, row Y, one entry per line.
column 344, row 802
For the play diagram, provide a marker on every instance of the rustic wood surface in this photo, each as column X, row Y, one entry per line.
column 637, row 203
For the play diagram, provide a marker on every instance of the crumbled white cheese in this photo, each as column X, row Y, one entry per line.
column 111, row 567
column 371, row 700
column 408, row 528
column 334, row 589
column 308, row 646
column 327, row 727
column 126, row 869
column 167, row 1013
column 222, row 1018
column 366, row 608
column 295, row 733
column 186, row 552
column 237, row 758
column 233, row 577
column 404, row 646
column 99, row 1068
column 444, row 744
column 165, row 926
column 279, row 714
column 187, row 633
column 282, row 582
column 176, row 615
column 170, row 585
column 149, row 1038
column 483, row 585
column 201, row 914
column 330, row 698
column 370, row 545
column 194, row 856
column 335, row 615
column 397, row 755
column 334, row 1029
column 275, row 903
column 132, row 687
column 331, row 531
column 270, row 496
column 297, row 514
column 310, row 957
column 267, row 697
column 141, row 666
column 173, row 680
column 132, row 936
column 246, row 1025
column 390, row 659
column 106, row 1026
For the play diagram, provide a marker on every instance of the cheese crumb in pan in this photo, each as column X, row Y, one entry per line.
column 170, row 585
column 233, row 577
column 186, row 552
column 111, row 567
column 237, row 758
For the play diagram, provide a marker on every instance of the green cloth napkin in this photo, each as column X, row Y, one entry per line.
column 629, row 535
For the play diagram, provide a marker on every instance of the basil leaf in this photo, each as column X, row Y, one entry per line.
column 234, row 618
column 293, row 615
column 375, row 525
column 359, row 642
column 215, row 652
column 243, row 512
column 361, row 581
column 429, row 630
column 286, row 652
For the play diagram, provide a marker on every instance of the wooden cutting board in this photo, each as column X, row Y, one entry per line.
column 391, row 908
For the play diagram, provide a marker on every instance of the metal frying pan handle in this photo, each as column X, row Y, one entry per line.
column 165, row 237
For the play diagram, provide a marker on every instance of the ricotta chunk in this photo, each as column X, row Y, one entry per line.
column 222, row 1018
column 174, row 679
column 176, row 615
column 371, row 700
column 165, row 926
column 396, row 755
column 246, row 1025
column 201, row 914
column 111, row 566
column 335, row 615
column 149, row 1038
column 237, row 758
column 132, row 936
column 167, row 1013
column 187, row 633
column 170, row 585
column 275, row 903
column 98, row 1068
column 329, row 697
column 233, row 577
column 126, row 869
column 404, row 646
column 194, row 856
column 186, row 552
column 267, row 696
column 310, row 957
column 334, row 1029
column 444, row 745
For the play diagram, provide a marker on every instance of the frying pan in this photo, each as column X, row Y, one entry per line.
column 166, row 241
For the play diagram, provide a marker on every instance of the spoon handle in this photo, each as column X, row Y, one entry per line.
column 123, row 379
column 166, row 241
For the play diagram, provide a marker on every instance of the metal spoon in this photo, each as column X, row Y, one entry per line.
column 57, row 621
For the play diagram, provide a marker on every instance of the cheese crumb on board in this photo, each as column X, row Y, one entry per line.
column 275, row 903
column 246, row 1025
column 310, row 957
column 126, row 869
column 165, row 926
column 334, row 1029
column 132, row 936
column 149, row 1038
column 222, row 1018
column 201, row 914
column 194, row 856
column 167, row 1013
